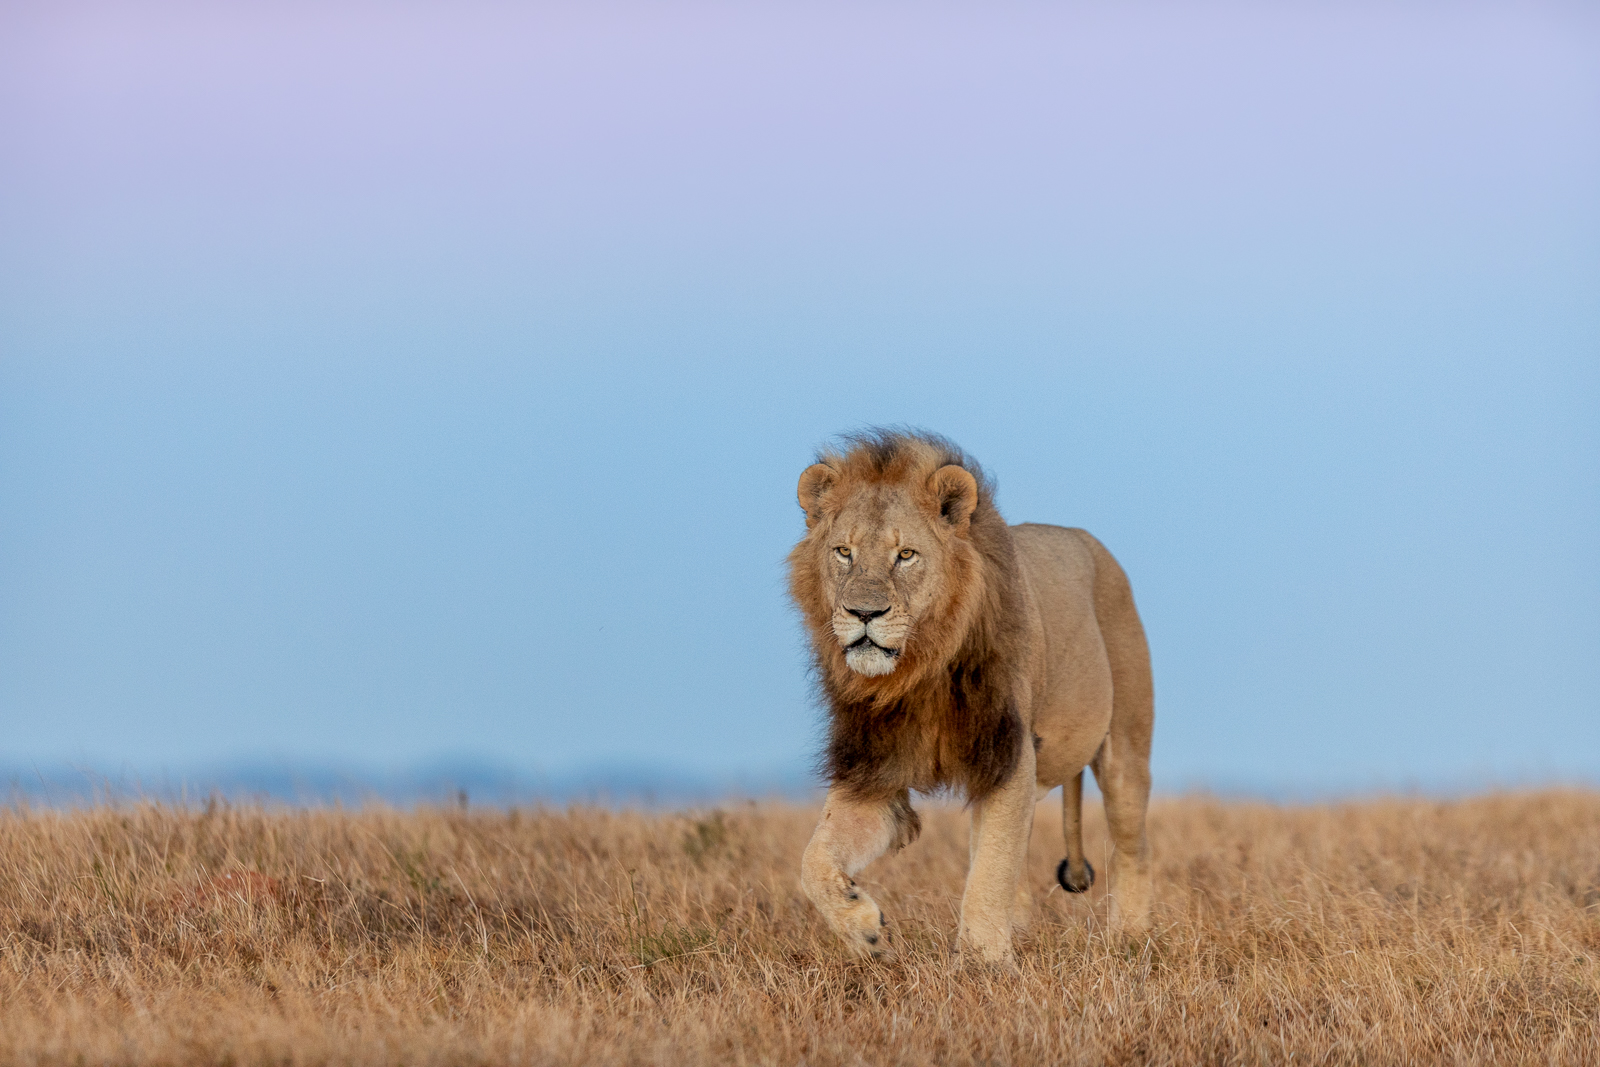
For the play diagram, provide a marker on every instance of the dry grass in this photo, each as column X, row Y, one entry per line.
column 1392, row 931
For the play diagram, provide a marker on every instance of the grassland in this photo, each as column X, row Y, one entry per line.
column 1386, row 931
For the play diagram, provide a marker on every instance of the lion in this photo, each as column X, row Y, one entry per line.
column 955, row 652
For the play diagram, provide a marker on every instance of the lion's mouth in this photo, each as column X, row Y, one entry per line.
column 866, row 656
column 867, row 644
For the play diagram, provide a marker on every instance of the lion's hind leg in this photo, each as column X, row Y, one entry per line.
column 1125, row 786
column 1074, row 873
column 1122, row 766
column 851, row 834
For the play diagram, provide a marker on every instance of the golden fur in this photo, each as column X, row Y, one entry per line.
column 954, row 651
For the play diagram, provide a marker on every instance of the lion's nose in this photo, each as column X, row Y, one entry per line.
column 867, row 614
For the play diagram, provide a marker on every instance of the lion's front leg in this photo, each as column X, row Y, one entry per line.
column 1001, row 825
column 851, row 834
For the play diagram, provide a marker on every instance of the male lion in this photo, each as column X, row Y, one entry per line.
column 958, row 652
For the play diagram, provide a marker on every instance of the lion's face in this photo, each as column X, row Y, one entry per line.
column 881, row 556
column 883, row 567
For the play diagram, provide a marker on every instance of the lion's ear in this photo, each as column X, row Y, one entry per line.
column 815, row 480
column 955, row 491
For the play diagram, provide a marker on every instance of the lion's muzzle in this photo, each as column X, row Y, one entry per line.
column 871, row 639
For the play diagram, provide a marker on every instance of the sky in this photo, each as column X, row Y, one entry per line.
column 389, row 383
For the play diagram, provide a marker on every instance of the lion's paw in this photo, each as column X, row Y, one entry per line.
column 985, row 946
column 861, row 923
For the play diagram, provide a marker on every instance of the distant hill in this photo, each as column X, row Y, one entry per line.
column 439, row 782
column 484, row 782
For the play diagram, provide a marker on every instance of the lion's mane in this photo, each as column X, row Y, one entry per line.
column 947, row 716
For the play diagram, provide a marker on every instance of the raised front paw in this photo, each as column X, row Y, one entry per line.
column 860, row 922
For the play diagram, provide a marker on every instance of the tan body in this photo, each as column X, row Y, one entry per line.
column 1081, row 686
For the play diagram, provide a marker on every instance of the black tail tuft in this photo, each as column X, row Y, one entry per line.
column 1061, row 876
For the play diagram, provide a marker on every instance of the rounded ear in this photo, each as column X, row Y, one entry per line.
column 815, row 480
column 955, row 492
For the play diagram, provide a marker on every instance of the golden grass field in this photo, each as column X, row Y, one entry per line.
column 1382, row 931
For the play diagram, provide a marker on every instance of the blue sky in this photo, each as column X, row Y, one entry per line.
column 385, row 384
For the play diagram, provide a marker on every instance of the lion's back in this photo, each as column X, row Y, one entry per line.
column 1060, row 564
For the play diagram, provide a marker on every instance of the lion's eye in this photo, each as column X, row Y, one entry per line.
column 844, row 553
column 907, row 554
